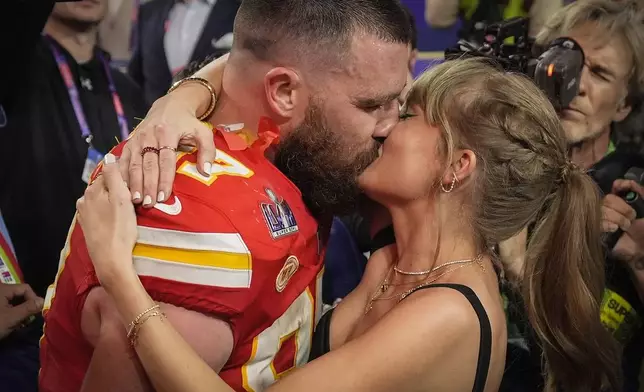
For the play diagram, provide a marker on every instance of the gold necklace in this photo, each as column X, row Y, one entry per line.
column 429, row 271
column 384, row 285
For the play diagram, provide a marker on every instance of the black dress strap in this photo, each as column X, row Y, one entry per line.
column 321, row 344
column 485, row 346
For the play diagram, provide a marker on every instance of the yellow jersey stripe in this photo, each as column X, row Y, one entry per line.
column 193, row 274
column 216, row 242
column 201, row 258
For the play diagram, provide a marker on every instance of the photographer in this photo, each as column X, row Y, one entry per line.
column 611, row 36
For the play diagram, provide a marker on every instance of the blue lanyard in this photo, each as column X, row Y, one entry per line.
column 74, row 96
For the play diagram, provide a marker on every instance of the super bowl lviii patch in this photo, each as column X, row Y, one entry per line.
column 278, row 215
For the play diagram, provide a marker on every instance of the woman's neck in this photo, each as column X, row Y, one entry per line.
column 426, row 238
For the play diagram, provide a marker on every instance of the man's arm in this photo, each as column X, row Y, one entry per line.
column 115, row 366
column 540, row 12
column 512, row 253
column 441, row 14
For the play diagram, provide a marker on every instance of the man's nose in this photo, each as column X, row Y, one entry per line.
column 584, row 79
column 388, row 119
column 384, row 127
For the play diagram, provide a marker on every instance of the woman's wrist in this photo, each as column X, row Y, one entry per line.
column 113, row 279
column 127, row 291
column 195, row 97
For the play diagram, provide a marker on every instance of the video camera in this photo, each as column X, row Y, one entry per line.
column 557, row 70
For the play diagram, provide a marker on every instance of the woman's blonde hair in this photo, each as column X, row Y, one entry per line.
column 523, row 176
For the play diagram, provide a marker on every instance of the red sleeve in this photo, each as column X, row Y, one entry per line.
column 190, row 255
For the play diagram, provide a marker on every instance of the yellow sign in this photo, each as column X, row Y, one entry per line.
column 618, row 316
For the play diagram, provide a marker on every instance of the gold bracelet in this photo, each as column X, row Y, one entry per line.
column 135, row 322
column 206, row 84
column 134, row 336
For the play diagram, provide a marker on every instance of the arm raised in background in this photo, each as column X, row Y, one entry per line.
column 540, row 12
column 441, row 14
column 512, row 253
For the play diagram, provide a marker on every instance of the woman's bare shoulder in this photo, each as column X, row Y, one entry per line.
column 379, row 263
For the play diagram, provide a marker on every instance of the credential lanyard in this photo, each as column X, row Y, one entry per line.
column 74, row 97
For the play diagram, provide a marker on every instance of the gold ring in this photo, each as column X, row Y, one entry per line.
column 168, row 148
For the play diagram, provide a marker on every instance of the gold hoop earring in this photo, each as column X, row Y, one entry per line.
column 451, row 186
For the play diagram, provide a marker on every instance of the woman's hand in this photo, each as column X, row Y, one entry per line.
column 171, row 122
column 106, row 215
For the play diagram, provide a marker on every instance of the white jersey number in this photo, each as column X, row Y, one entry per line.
column 298, row 323
column 224, row 165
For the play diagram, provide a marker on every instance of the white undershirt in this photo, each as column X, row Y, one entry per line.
column 185, row 25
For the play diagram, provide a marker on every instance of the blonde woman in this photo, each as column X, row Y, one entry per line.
column 477, row 154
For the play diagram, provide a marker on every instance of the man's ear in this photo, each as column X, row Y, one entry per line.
column 462, row 167
column 623, row 110
column 284, row 91
column 413, row 57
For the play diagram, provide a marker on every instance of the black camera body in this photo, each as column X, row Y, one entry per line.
column 629, row 166
column 556, row 69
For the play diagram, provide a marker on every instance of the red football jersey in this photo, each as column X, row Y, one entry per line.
column 240, row 246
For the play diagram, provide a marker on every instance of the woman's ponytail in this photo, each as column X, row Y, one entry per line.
column 563, row 286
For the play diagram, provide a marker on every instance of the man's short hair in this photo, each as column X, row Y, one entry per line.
column 283, row 30
column 413, row 39
column 623, row 19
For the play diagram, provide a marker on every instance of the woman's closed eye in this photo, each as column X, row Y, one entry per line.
column 405, row 115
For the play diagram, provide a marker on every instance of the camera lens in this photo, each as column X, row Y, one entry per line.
column 630, row 197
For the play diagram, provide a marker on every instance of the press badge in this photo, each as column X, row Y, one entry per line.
column 91, row 162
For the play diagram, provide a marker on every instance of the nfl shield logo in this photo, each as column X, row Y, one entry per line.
column 278, row 215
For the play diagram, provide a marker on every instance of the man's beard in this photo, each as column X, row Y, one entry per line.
column 312, row 158
column 579, row 137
